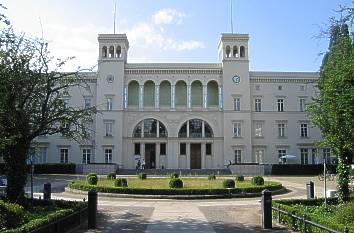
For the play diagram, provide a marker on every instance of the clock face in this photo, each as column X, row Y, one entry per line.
column 236, row 79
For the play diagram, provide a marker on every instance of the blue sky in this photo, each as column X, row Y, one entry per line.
column 281, row 31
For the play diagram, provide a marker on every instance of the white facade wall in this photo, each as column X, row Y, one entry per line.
column 112, row 81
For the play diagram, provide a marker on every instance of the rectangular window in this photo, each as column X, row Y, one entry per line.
column 238, row 156
column 258, row 87
column 281, row 156
column 108, row 155
column 237, row 129
column 304, row 155
column 182, row 149
column 302, row 88
column 327, row 155
column 86, row 156
column 315, row 158
column 64, row 155
column 259, row 156
column 280, row 105
column 87, row 102
column 281, row 130
column 302, row 105
column 303, row 130
column 109, row 129
column 162, row 148
column 280, row 88
column 42, row 155
column 258, row 105
column 259, row 129
column 109, row 104
column 137, row 148
column 237, row 104
column 208, row 149
column 87, row 129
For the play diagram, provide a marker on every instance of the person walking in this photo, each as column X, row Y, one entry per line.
column 138, row 164
column 143, row 164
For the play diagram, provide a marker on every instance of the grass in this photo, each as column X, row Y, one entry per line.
column 162, row 183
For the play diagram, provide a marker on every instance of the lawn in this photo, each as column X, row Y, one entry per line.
column 163, row 183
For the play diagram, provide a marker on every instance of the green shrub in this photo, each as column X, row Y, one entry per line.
column 12, row 215
column 240, row 178
column 257, row 180
column 345, row 214
column 142, row 176
column 121, row 182
column 211, row 177
column 174, row 175
column 228, row 183
column 111, row 176
column 92, row 179
column 176, row 183
column 55, row 168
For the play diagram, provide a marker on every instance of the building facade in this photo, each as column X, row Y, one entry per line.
column 189, row 115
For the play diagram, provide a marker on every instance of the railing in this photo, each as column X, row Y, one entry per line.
column 302, row 224
column 64, row 224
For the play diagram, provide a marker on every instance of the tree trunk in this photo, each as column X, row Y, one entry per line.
column 16, row 170
column 343, row 169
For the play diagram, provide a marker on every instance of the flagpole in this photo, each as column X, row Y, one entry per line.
column 232, row 26
column 114, row 18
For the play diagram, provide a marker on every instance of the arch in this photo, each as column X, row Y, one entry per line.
column 119, row 52
column 104, row 52
column 228, row 51
column 213, row 95
column 149, row 93
column 234, row 51
column 133, row 93
column 148, row 127
column 181, row 94
column 195, row 129
column 197, row 94
column 242, row 51
column 165, row 94
column 111, row 51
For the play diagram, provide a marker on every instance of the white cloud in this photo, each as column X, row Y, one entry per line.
column 166, row 16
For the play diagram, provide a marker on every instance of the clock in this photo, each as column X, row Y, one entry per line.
column 236, row 79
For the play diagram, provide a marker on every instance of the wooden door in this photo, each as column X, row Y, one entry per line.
column 196, row 156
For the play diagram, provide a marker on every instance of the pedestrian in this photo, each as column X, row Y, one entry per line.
column 138, row 165
column 143, row 164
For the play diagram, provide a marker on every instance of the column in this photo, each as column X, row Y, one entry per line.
column 125, row 98
column 173, row 99
column 142, row 151
column 205, row 96
column 203, row 130
column 142, row 129
column 157, row 157
column 157, row 96
column 221, row 98
column 203, row 155
column 157, row 129
column 141, row 97
column 187, row 129
column 189, row 96
column 188, row 147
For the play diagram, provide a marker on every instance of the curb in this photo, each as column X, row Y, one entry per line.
column 180, row 197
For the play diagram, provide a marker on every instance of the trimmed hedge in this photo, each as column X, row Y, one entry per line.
column 240, row 178
column 12, row 215
column 92, row 179
column 111, row 176
column 48, row 168
column 142, row 176
column 211, row 177
column 121, row 182
column 301, row 169
column 257, row 180
column 228, row 183
column 176, row 183
column 183, row 191
column 301, row 207
column 174, row 175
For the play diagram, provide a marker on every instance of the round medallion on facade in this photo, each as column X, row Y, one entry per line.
column 110, row 78
column 236, row 79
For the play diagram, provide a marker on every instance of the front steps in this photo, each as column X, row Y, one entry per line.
column 191, row 172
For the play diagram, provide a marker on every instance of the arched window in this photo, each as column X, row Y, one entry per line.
column 212, row 90
column 111, row 52
column 228, row 51
column 149, row 94
column 235, row 51
column 104, row 51
column 165, row 94
column 242, row 51
column 119, row 52
column 197, row 94
column 133, row 93
column 181, row 94
column 150, row 128
column 195, row 129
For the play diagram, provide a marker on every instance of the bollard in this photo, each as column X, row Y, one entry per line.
column 266, row 209
column 310, row 190
column 47, row 191
column 92, row 209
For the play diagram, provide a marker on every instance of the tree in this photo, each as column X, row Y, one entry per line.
column 32, row 89
column 333, row 110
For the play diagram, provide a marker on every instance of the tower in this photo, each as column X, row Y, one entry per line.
column 233, row 56
column 113, row 53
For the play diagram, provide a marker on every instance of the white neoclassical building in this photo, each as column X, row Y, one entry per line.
column 190, row 115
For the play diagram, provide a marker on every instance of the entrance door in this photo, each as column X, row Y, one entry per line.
column 196, row 156
column 150, row 156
